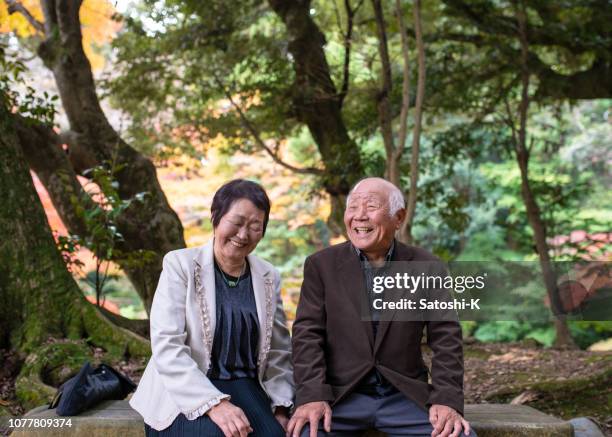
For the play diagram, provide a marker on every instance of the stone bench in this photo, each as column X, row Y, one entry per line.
column 117, row 419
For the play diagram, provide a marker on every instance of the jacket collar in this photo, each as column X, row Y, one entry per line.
column 263, row 289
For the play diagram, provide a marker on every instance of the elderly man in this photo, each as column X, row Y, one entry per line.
column 353, row 374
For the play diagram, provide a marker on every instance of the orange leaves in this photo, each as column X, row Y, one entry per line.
column 16, row 22
column 97, row 26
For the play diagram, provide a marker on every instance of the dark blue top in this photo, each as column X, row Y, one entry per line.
column 235, row 345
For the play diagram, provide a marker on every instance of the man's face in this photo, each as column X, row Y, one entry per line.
column 368, row 223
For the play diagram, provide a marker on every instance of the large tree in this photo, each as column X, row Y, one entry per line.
column 153, row 225
column 44, row 316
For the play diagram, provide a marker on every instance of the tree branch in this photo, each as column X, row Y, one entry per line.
column 384, row 95
column 43, row 151
column 16, row 6
column 403, row 130
column 418, row 119
column 484, row 16
column 348, row 41
column 257, row 137
column 509, row 120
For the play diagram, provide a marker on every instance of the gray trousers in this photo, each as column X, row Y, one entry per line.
column 394, row 414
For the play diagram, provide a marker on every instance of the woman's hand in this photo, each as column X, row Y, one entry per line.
column 282, row 415
column 231, row 419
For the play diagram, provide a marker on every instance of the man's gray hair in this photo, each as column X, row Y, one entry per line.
column 396, row 198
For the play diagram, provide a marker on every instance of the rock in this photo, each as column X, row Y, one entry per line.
column 585, row 427
column 502, row 420
column 109, row 419
column 117, row 419
column 601, row 346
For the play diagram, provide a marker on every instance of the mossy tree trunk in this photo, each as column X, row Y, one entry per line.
column 153, row 226
column 43, row 313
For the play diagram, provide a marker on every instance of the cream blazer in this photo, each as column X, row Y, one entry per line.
column 182, row 330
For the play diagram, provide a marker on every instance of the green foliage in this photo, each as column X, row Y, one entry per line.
column 180, row 60
column 100, row 219
column 583, row 333
column 500, row 331
column 118, row 289
column 544, row 335
column 190, row 65
column 587, row 333
column 470, row 196
column 287, row 248
column 17, row 94
column 468, row 327
column 68, row 246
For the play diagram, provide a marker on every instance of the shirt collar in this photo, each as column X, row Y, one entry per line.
column 388, row 257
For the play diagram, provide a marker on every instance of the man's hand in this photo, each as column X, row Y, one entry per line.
column 447, row 422
column 310, row 413
column 231, row 419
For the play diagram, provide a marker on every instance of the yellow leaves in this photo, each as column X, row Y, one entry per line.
column 97, row 26
column 16, row 22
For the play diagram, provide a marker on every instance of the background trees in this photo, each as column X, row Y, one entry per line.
column 493, row 117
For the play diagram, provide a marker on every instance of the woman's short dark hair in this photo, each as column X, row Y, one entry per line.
column 235, row 190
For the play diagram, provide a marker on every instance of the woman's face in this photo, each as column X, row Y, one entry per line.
column 239, row 231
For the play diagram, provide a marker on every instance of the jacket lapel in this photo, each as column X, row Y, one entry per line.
column 204, row 272
column 350, row 276
column 402, row 253
column 263, row 288
column 258, row 275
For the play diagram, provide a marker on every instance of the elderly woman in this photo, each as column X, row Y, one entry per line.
column 221, row 362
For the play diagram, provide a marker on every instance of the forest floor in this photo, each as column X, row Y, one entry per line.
column 563, row 383
column 566, row 384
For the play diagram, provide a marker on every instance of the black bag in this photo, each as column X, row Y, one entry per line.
column 90, row 387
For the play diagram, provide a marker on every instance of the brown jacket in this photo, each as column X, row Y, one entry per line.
column 333, row 349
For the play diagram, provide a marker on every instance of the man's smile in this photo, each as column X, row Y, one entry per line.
column 362, row 230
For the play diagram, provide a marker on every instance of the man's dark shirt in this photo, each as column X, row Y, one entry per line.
column 374, row 383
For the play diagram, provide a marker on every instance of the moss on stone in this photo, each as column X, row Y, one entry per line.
column 590, row 396
column 46, row 368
